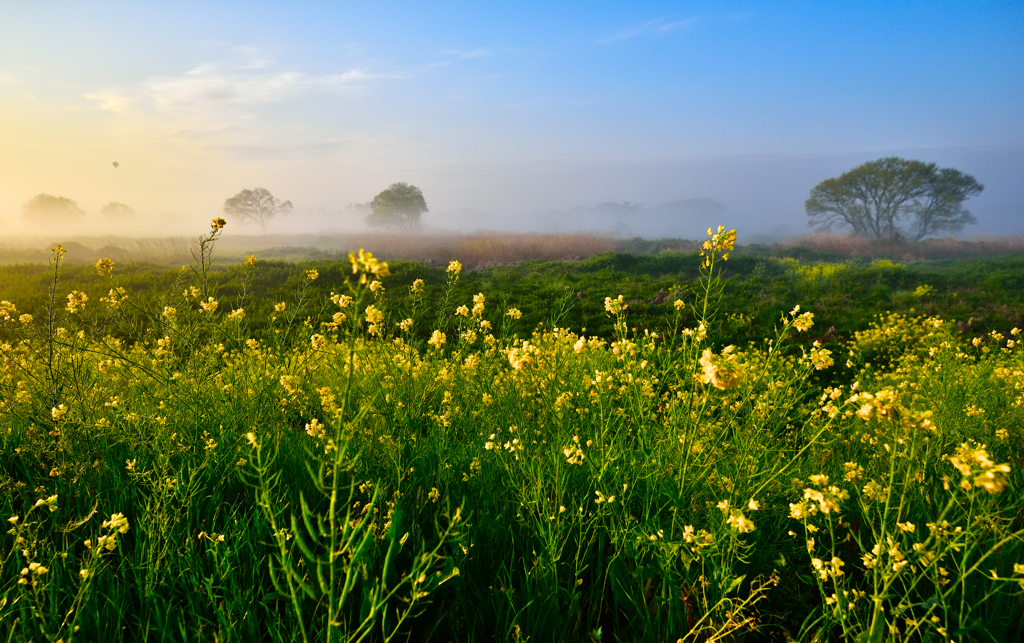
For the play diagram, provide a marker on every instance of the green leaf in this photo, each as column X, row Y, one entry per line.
column 301, row 542
column 735, row 583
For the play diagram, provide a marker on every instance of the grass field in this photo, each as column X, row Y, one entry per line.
column 363, row 451
column 481, row 250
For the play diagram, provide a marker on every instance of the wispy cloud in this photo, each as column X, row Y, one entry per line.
column 213, row 85
column 208, row 84
column 455, row 55
column 300, row 150
column 656, row 26
column 219, row 103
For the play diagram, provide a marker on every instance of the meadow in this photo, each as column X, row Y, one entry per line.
column 358, row 450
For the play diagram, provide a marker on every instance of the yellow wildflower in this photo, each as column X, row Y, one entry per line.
column 104, row 267
column 76, row 301
column 614, row 306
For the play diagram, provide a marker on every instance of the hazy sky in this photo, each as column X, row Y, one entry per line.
column 501, row 110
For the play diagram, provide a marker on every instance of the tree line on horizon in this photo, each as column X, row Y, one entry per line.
column 892, row 199
column 48, row 208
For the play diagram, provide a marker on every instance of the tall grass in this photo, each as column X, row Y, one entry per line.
column 477, row 250
column 346, row 475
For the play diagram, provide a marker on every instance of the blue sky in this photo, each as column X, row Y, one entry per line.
column 500, row 110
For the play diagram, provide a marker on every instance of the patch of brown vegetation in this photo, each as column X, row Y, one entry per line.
column 474, row 251
column 948, row 248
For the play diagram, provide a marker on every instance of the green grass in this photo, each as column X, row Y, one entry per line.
column 846, row 294
column 315, row 472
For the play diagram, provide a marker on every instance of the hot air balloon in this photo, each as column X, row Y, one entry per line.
column 115, row 165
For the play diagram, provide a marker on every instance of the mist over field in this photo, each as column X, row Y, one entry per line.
column 762, row 196
column 652, row 122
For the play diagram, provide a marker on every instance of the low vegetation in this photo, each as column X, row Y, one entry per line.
column 490, row 249
column 374, row 451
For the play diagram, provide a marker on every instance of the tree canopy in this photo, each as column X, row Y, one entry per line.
column 895, row 199
column 116, row 210
column 399, row 206
column 256, row 206
column 49, row 208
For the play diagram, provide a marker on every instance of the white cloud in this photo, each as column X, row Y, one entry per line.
column 110, row 100
column 220, row 103
column 206, row 84
column 213, row 85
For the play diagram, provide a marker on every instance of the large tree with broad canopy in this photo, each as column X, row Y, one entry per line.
column 894, row 199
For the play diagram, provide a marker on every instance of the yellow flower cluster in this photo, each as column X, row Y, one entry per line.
column 614, row 306
column 7, row 310
column 437, row 339
column 972, row 459
column 76, row 301
column 104, row 267
column 117, row 524
column 821, row 357
column 735, row 517
column 724, row 371
column 115, row 297
column 364, row 263
column 718, row 242
column 801, row 322
column 36, row 569
column 574, row 452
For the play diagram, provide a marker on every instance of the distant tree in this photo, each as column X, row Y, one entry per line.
column 257, row 205
column 941, row 209
column 51, row 209
column 116, row 210
column 399, row 206
column 359, row 209
column 875, row 198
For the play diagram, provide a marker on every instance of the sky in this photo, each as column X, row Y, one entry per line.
column 503, row 114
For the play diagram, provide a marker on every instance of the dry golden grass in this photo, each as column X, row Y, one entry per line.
column 947, row 248
column 476, row 250
column 158, row 250
column 481, row 250
column 473, row 250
